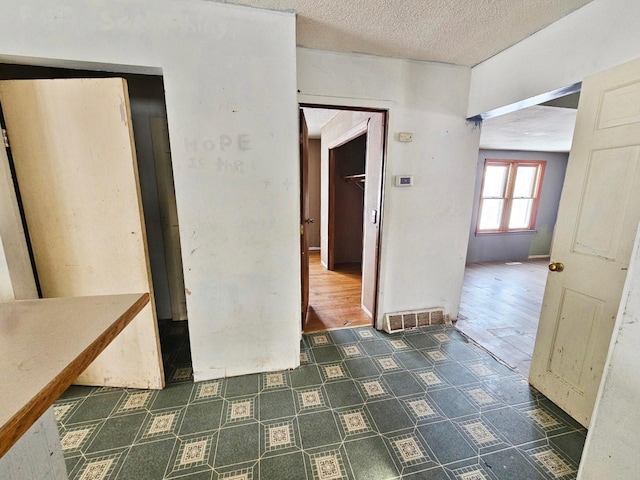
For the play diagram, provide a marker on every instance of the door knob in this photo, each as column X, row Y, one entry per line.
column 309, row 220
column 556, row 267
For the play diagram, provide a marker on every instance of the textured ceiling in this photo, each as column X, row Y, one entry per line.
column 537, row 128
column 462, row 32
column 316, row 118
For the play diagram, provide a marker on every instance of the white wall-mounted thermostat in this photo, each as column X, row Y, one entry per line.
column 404, row 180
column 405, row 137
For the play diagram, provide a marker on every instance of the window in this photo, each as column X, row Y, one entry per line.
column 509, row 196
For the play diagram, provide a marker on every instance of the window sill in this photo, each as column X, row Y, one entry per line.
column 517, row 232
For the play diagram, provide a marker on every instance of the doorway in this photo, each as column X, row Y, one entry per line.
column 506, row 271
column 341, row 217
column 347, row 165
column 593, row 243
column 155, row 185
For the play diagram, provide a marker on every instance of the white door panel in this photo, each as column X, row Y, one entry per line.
column 597, row 222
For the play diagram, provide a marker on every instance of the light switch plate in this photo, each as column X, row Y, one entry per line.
column 404, row 180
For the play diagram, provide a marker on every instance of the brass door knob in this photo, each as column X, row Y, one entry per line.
column 556, row 267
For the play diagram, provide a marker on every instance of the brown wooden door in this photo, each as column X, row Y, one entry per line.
column 304, row 216
column 75, row 163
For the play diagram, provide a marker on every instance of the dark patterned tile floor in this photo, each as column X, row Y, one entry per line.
column 423, row 404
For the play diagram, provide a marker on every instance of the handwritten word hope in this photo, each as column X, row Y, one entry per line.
column 221, row 144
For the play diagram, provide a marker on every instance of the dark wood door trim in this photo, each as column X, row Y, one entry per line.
column 304, row 213
column 331, row 238
column 355, row 131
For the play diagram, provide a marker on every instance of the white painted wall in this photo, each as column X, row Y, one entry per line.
column 600, row 35
column 613, row 441
column 424, row 227
column 230, row 85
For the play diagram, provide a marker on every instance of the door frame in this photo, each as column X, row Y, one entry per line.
column 304, row 213
column 307, row 101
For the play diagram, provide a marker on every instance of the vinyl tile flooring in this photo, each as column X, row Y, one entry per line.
column 364, row 405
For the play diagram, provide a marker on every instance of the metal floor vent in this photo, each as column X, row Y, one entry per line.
column 398, row 321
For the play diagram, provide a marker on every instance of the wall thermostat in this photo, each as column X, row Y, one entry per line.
column 404, row 180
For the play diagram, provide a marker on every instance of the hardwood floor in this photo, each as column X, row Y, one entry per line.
column 334, row 296
column 500, row 308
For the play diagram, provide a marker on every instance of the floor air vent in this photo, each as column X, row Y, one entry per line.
column 396, row 322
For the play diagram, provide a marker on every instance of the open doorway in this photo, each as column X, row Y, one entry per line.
column 593, row 241
column 155, row 185
column 347, row 179
column 342, row 203
column 508, row 255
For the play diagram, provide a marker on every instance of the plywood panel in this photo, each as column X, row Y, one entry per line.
column 77, row 172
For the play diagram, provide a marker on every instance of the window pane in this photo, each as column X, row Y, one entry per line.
column 520, row 213
column 525, row 181
column 491, row 214
column 495, row 177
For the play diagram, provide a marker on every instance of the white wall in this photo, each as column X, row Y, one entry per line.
column 424, row 227
column 613, row 441
column 230, row 85
column 600, row 35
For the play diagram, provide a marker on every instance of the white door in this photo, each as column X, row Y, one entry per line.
column 372, row 212
column 597, row 221
column 72, row 145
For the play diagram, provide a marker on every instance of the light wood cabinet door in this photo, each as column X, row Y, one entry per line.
column 73, row 149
